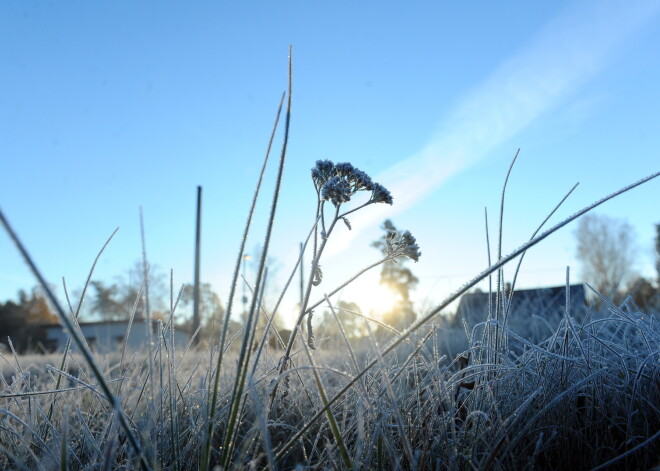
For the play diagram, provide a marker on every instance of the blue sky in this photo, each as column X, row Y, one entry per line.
column 108, row 107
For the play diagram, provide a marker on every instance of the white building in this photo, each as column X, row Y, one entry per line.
column 109, row 336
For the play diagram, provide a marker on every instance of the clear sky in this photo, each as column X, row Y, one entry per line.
column 106, row 107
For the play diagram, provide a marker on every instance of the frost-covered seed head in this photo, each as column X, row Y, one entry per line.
column 344, row 169
column 336, row 190
column 322, row 171
column 379, row 194
column 362, row 181
column 404, row 244
column 338, row 182
column 410, row 247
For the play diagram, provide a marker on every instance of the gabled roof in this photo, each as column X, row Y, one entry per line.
column 549, row 303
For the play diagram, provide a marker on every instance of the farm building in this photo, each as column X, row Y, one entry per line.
column 529, row 307
column 108, row 336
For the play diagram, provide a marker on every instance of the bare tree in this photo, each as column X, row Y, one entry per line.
column 606, row 248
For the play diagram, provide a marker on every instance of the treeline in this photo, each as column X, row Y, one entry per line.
column 134, row 295
column 22, row 322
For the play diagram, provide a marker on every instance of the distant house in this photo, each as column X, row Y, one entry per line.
column 108, row 336
column 548, row 304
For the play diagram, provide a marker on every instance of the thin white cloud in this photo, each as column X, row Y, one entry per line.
column 567, row 53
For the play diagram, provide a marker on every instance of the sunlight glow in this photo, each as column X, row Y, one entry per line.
column 379, row 300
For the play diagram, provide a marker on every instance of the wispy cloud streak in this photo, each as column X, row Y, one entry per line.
column 568, row 52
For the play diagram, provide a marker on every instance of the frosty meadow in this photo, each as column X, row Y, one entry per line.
column 585, row 395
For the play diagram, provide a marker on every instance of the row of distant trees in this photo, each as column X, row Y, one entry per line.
column 125, row 298
column 22, row 322
column 18, row 320
column 605, row 248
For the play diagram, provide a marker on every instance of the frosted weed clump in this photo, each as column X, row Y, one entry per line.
column 337, row 184
column 586, row 396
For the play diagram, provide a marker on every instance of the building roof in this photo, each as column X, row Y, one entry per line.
column 154, row 322
column 549, row 303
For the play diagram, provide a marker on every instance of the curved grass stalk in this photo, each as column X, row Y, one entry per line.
column 500, row 274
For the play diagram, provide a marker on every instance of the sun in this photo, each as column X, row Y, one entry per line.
column 380, row 300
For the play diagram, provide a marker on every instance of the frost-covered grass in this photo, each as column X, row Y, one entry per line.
column 432, row 397
column 587, row 396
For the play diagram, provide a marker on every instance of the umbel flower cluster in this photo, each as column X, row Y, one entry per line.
column 403, row 244
column 338, row 182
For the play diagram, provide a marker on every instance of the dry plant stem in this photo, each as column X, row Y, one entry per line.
column 80, row 343
column 303, row 308
column 453, row 297
column 279, row 300
column 245, row 347
column 343, row 335
column 206, row 456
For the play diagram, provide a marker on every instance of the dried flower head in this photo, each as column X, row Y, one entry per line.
column 379, row 194
column 404, row 244
column 339, row 182
column 337, row 190
column 321, row 172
